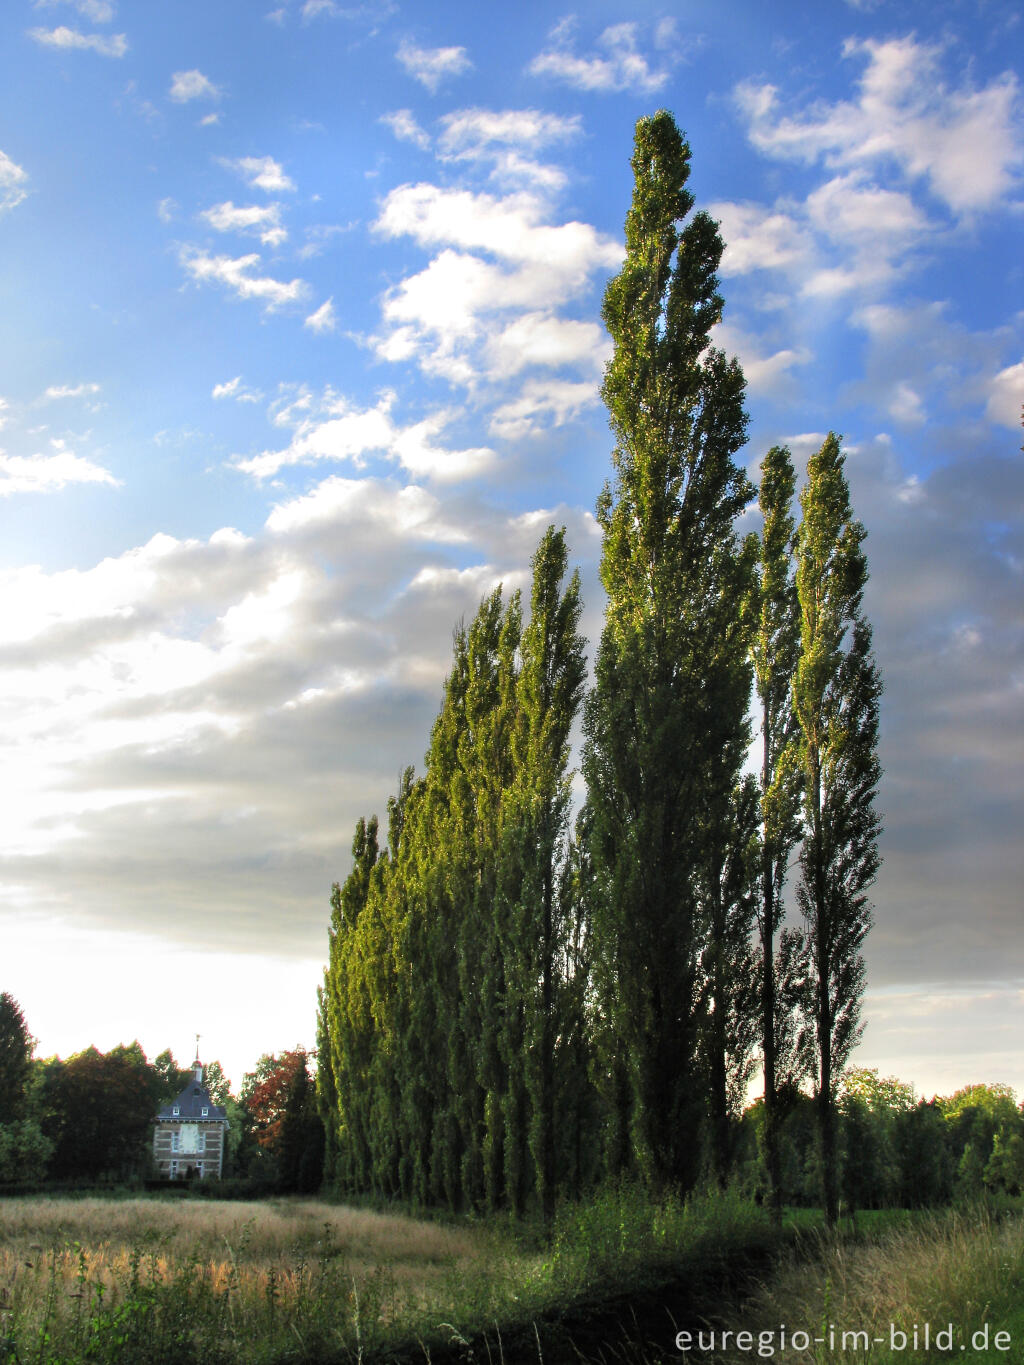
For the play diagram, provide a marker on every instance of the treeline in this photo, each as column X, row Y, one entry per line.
column 88, row 1119
column 896, row 1150
column 513, row 1009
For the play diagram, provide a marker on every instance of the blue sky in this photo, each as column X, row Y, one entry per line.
column 301, row 349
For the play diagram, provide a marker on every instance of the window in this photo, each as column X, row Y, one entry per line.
column 176, row 1110
column 173, row 1171
column 175, row 1145
column 206, row 1110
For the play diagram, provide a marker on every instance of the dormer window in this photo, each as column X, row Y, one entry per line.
column 206, row 1111
column 176, row 1110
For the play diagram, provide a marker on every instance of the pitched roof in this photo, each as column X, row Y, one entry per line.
column 191, row 1103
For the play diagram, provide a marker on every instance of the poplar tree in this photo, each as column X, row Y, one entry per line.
column 549, row 692
column 670, row 668
column 836, row 693
column 774, row 650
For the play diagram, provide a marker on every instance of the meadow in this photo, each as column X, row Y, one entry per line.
column 157, row 1281
column 162, row 1280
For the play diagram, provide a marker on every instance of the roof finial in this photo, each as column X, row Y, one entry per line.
column 197, row 1047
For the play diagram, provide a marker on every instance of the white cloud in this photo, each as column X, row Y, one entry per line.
column 430, row 66
column 339, row 432
column 335, row 430
column 234, row 388
column 759, row 238
column 71, row 390
column 235, row 274
column 766, row 371
column 542, row 403
column 192, row 85
column 511, row 228
column 1006, row 396
column 963, row 142
column 619, row 66
column 49, row 473
column 4, row 405
column 12, row 183
column 324, row 319
column 99, row 11
column 263, row 221
column 504, row 138
column 262, row 173
column 848, row 208
column 538, row 338
column 69, row 38
column 405, row 128
column 416, row 448
column 166, row 209
column 440, row 315
column 368, row 503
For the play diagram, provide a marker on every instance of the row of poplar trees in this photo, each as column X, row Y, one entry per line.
column 514, row 1008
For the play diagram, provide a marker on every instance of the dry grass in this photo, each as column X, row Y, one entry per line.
column 964, row 1268
column 210, row 1279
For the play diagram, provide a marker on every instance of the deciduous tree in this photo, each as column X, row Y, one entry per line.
column 836, row 693
column 672, row 677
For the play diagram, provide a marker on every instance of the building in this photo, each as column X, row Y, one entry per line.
column 190, row 1133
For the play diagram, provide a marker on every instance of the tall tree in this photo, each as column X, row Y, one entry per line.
column 836, row 693
column 671, row 684
column 774, row 649
column 550, row 689
column 15, row 1059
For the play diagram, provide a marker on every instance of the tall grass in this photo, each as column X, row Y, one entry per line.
column 959, row 1271
column 161, row 1282
column 152, row 1281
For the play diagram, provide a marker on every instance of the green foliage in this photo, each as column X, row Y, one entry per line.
column 836, row 690
column 665, row 728
column 25, row 1153
column 97, row 1110
column 16, row 1046
column 449, row 1019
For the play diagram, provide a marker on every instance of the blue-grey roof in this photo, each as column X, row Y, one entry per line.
column 190, row 1103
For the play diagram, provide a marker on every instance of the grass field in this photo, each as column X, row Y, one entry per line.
column 960, row 1271
column 153, row 1280
column 176, row 1282
column 158, row 1280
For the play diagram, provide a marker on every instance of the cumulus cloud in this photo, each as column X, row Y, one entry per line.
column 541, row 404
column 617, row 65
column 12, row 183
column 69, row 39
column 263, row 221
column 223, row 709
column 1006, row 396
column 432, row 65
column 333, row 429
column 234, row 388
column 963, row 142
column 509, row 140
column 49, row 473
column 405, row 128
column 236, row 274
column 324, row 319
column 442, row 314
column 192, row 85
column 261, row 173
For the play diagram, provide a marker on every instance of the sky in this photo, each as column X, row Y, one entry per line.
column 300, row 352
